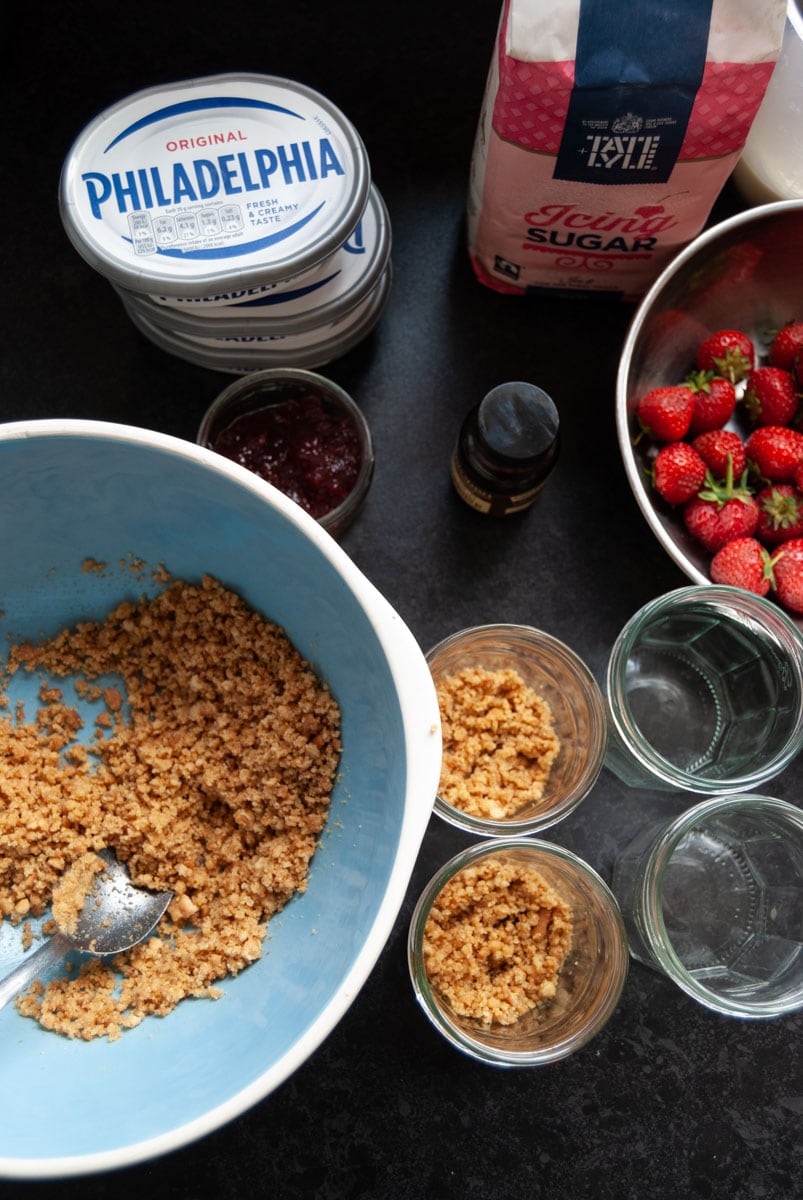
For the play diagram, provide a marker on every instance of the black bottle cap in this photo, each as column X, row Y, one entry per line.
column 518, row 421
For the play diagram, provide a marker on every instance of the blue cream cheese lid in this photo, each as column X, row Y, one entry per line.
column 225, row 182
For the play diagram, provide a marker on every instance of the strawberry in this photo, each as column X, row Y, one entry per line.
column 743, row 563
column 714, row 401
column 714, row 448
column 677, row 472
column 714, row 524
column 729, row 353
column 770, row 396
column 788, row 567
column 780, row 508
column 721, row 512
column 665, row 413
column 780, row 514
column 786, row 345
column 773, row 452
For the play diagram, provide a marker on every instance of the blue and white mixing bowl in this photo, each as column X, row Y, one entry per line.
column 73, row 490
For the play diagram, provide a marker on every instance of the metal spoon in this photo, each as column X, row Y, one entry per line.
column 115, row 916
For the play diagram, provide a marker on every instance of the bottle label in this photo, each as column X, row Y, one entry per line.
column 496, row 504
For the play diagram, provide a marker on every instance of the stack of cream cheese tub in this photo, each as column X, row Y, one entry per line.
column 236, row 219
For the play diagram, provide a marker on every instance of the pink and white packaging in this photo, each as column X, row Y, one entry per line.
column 606, row 133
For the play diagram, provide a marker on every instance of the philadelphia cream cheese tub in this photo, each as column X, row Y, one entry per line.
column 233, row 211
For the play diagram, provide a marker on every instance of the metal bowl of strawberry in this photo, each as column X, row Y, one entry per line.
column 709, row 405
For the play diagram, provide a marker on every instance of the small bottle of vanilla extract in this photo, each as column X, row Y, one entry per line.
column 507, row 447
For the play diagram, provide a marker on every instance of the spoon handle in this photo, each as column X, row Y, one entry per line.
column 46, row 955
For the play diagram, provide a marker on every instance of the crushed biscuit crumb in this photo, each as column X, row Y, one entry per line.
column 215, row 783
column 495, row 941
column 73, row 889
column 499, row 742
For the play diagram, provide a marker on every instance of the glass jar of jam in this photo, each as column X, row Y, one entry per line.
column 301, row 433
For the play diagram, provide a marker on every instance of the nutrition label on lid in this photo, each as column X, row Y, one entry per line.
column 148, row 235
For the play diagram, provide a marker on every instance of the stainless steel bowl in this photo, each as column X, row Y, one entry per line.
column 746, row 273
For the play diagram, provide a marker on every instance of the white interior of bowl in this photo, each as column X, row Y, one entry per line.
column 79, row 489
column 744, row 273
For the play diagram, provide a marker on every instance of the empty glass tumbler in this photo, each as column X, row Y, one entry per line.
column 705, row 692
column 714, row 901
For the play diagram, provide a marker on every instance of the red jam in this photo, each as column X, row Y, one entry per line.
column 311, row 454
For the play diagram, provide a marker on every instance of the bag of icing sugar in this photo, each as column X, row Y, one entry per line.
column 607, row 131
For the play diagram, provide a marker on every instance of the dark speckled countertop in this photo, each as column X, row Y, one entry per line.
column 669, row 1101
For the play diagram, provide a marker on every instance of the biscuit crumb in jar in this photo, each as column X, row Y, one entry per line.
column 499, row 742
column 495, row 941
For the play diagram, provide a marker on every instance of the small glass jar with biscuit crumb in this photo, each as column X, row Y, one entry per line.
column 524, row 729
column 517, row 952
